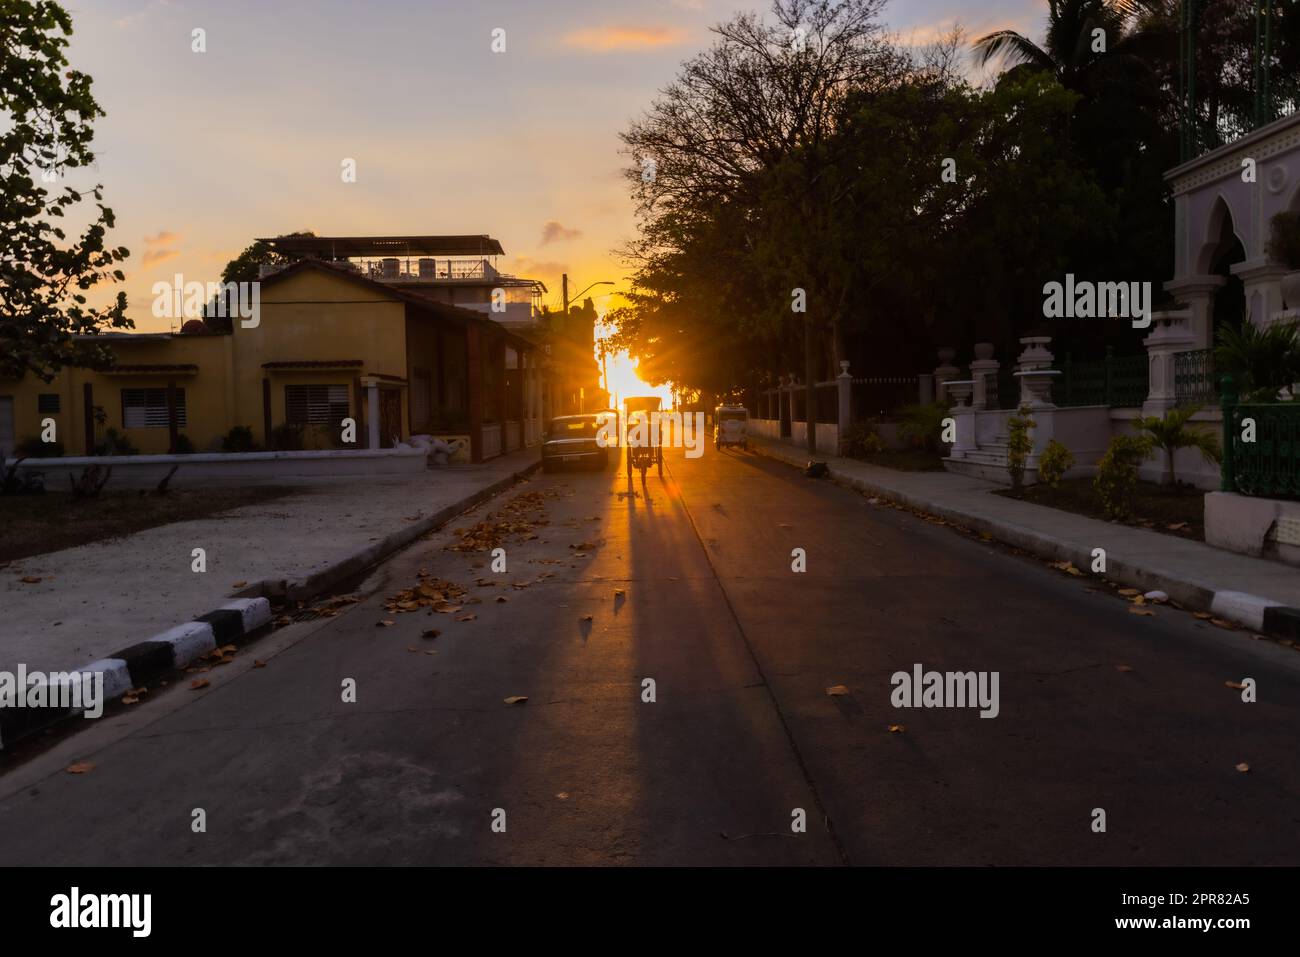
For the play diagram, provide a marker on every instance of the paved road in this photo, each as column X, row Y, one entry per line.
column 1098, row 708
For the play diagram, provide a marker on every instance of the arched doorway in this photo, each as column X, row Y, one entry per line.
column 1222, row 251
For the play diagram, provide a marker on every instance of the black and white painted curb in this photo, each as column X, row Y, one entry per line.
column 148, row 661
column 1252, row 611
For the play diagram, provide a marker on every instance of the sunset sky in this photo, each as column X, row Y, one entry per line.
column 200, row 153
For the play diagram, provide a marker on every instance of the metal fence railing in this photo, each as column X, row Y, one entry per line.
column 1194, row 377
column 1116, row 381
column 1270, row 464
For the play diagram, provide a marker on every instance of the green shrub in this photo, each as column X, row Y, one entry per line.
column 1019, row 444
column 239, row 439
column 922, row 425
column 861, row 438
column 1284, row 240
column 1173, row 433
column 287, row 437
column 34, row 448
column 1117, row 474
column 1055, row 461
column 115, row 443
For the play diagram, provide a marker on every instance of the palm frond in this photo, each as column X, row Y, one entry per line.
column 1012, row 48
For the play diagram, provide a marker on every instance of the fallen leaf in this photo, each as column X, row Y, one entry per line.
column 516, row 699
column 81, row 767
column 563, row 795
column 198, row 683
column 32, row 580
column 897, row 729
column 836, row 691
column 386, row 623
column 1203, row 615
column 239, row 584
column 1234, row 684
column 470, row 617
column 430, row 633
column 130, row 699
column 1135, row 610
column 502, row 598
column 258, row 663
column 1176, row 526
column 1129, row 592
column 1123, row 668
column 1243, row 767
column 1231, row 626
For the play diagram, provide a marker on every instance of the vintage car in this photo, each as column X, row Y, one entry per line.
column 589, row 439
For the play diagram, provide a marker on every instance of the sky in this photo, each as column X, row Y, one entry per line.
column 200, row 153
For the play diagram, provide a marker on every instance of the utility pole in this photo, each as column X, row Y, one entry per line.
column 564, row 285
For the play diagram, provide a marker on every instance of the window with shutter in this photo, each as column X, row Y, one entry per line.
column 315, row 404
column 147, row 408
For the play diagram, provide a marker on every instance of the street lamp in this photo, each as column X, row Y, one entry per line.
column 564, row 283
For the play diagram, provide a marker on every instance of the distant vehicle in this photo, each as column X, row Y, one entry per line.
column 730, row 426
column 575, row 440
column 650, row 452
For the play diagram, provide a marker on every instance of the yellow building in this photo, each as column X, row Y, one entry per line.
column 331, row 340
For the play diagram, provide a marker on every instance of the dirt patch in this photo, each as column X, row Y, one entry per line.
column 1171, row 511
column 37, row 524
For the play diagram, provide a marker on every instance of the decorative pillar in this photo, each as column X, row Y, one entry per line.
column 1263, row 287
column 981, row 367
column 1036, row 357
column 963, row 413
column 844, row 418
column 1171, row 333
column 1198, row 294
column 945, row 371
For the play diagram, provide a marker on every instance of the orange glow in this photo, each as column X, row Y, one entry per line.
column 624, row 381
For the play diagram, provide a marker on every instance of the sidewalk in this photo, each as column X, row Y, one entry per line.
column 107, row 595
column 1194, row 574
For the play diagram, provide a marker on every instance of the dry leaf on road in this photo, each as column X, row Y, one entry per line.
column 430, row 633
column 1235, row 684
column 1123, row 668
column 836, row 690
column 81, row 767
column 516, row 699
column 386, row 623
column 30, row 579
column 1135, row 610
column 1243, row 767
column 897, row 729
column 198, row 683
column 470, row 617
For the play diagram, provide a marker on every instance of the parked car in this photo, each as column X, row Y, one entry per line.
column 590, row 439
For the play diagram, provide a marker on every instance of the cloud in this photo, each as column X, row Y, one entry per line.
column 162, row 238
column 609, row 38
column 555, row 231
column 152, row 257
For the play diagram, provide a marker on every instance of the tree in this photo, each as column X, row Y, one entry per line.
column 47, row 111
column 1172, row 433
column 246, row 267
column 767, row 94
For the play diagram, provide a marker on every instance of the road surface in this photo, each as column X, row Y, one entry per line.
column 689, row 583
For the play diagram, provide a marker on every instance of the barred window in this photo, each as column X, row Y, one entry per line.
column 47, row 402
column 315, row 404
column 147, row 408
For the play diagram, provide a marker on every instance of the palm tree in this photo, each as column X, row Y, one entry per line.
column 1173, row 433
column 1261, row 360
column 1132, row 28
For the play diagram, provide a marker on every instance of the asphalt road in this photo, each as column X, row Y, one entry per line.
column 1098, row 707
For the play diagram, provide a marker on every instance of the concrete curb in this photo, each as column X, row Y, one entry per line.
column 245, row 614
column 1252, row 611
column 148, row 661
